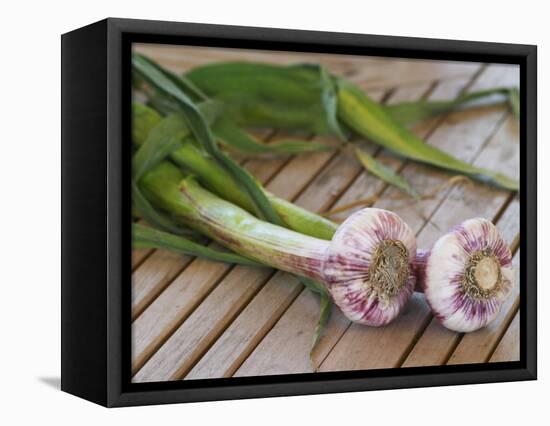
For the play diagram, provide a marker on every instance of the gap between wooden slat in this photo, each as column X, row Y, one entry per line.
column 141, row 258
column 184, row 371
column 140, row 361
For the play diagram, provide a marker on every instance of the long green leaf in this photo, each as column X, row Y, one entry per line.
column 164, row 138
column 146, row 237
column 329, row 98
column 155, row 218
column 144, row 119
column 513, row 99
column 182, row 82
column 370, row 120
column 263, row 95
column 233, row 136
column 216, row 179
column 312, row 285
column 203, row 134
column 410, row 113
column 324, row 316
column 384, row 173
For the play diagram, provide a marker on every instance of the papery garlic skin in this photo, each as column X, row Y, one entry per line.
column 468, row 275
column 369, row 266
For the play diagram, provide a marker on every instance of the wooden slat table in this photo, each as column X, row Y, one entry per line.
column 195, row 319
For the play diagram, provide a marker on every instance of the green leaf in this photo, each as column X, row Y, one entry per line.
column 384, row 173
column 144, row 119
column 202, row 132
column 233, row 136
column 149, row 130
column 324, row 316
column 164, row 138
column 513, row 99
column 146, row 237
column 312, row 285
column 371, row 121
column 329, row 97
column 263, row 95
column 410, row 113
column 182, row 82
column 155, row 218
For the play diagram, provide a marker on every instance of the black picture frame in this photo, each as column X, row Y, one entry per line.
column 96, row 261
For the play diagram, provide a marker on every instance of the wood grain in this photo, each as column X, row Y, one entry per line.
column 198, row 319
column 152, row 277
column 508, row 347
column 240, row 338
column 139, row 255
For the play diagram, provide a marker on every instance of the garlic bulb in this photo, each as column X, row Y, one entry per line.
column 368, row 266
column 467, row 275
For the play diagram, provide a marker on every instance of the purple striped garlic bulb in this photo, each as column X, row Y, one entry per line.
column 369, row 266
column 467, row 275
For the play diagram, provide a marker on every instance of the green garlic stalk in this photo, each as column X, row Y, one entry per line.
column 216, row 179
column 367, row 267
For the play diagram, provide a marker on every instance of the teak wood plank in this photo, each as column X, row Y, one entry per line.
column 175, row 303
column 289, row 182
column 139, row 255
column 240, row 338
column 206, row 322
column 508, row 348
column 303, row 316
column 153, row 275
